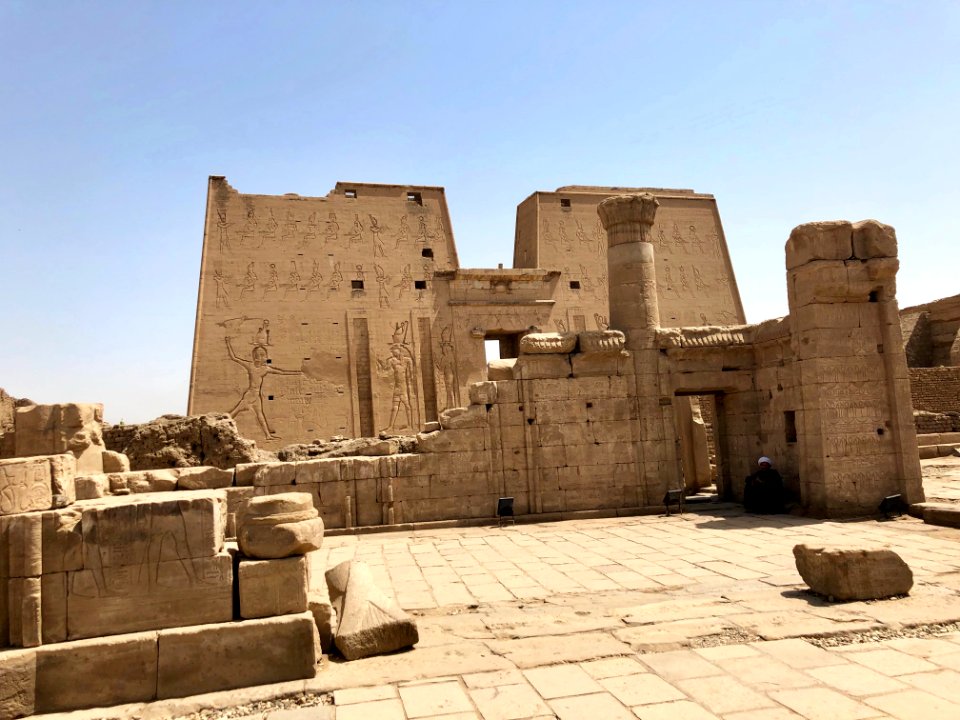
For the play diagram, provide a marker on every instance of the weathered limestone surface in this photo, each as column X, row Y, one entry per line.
column 115, row 462
column 272, row 587
column 97, row 672
column 369, row 621
column 278, row 526
column 25, row 485
column 18, row 680
column 850, row 573
column 203, row 478
column 233, row 655
column 54, row 429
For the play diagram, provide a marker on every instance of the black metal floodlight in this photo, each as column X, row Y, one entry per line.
column 892, row 506
column 505, row 511
column 673, row 497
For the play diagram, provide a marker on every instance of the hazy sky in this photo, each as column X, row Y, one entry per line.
column 113, row 114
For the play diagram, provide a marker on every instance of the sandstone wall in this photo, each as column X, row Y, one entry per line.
column 930, row 332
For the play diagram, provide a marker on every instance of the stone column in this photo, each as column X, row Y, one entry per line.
column 631, row 274
column 856, row 437
column 634, row 309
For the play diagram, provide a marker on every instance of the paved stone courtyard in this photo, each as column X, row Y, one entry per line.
column 698, row 616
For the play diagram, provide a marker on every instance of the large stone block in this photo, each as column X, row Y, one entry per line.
column 548, row 343
column 447, row 441
column 18, row 681
column 149, row 595
column 97, row 672
column 872, row 239
column 853, row 573
column 233, row 655
column 533, row 367
column 272, row 587
column 53, row 607
column 204, row 478
column 25, row 485
column 76, row 428
column 369, row 621
column 278, row 526
column 90, row 487
column 829, row 240
column 143, row 481
column 115, row 462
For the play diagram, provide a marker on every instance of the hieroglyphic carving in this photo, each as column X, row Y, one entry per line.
column 383, row 296
column 222, row 226
column 402, row 232
column 398, row 368
column 288, row 231
column 24, row 485
column 293, row 280
column 447, row 367
column 273, row 283
column 375, row 231
column 406, row 281
column 602, row 322
column 251, row 231
column 331, row 233
column 223, row 297
column 423, row 235
column 356, row 231
column 315, row 281
column 335, row 278
column 249, row 283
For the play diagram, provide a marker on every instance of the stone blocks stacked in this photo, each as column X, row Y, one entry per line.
column 274, row 533
column 73, row 428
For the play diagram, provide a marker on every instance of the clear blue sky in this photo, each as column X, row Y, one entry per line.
column 113, row 114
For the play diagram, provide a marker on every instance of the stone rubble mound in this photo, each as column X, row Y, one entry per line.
column 348, row 447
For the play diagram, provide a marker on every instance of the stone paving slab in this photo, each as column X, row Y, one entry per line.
column 559, row 653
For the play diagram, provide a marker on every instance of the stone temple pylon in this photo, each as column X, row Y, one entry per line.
column 634, row 309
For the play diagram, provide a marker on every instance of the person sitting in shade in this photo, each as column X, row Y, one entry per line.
column 763, row 492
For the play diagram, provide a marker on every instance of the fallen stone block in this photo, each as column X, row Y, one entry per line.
column 369, row 621
column 483, row 393
column 278, row 526
column 115, row 462
column 204, row 478
column 942, row 514
column 239, row 654
column 853, row 573
column 272, row 587
column 501, row 369
column 89, row 487
column 97, row 672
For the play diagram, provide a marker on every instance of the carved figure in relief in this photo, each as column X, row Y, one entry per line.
column 356, row 232
column 678, row 238
column 252, row 397
column 18, row 493
column 273, row 284
column 441, row 230
column 585, row 281
column 601, row 237
column 223, row 297
column 222, row 226
column 703, row 319
column 661, row 237
column 251, row 229
column 422, row 233
column 683, row 278
column 546, row 232
column 561, row 325
column 310, row 233
column 447, row 367
column 316, row 279
column 714, row 240
column 399, row 369
column 293, row 280
column 562, row 232
column 249, row 281
column 375, row 230
column 581, row 235
column 289, row 230
column 262, row 336
column 694, row 239
column 269, row 231
column 698, row 279
column 361, row 273
column 402, row 232
column 336, row 278
column 667, row 279
column 331, row 232
column 602, row 322
column 406, row 280
column 382, row 279
column 728, row 317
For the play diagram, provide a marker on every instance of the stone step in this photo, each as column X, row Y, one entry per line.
column 945, row 514
column 933, row 451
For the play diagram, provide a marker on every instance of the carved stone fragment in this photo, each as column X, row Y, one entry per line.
column 370, row 622
column 278, row 526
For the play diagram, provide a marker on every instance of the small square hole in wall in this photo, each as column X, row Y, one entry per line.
column 269, row 397
column 415, row 197
column 269, row 361
column 564, row 202
column 356, row 284
column 350, row 193
column 574, row 284
column 420, row 284
column 427, row 252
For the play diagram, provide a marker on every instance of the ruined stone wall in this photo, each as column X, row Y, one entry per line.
column 935, row 389
column 930, row 332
